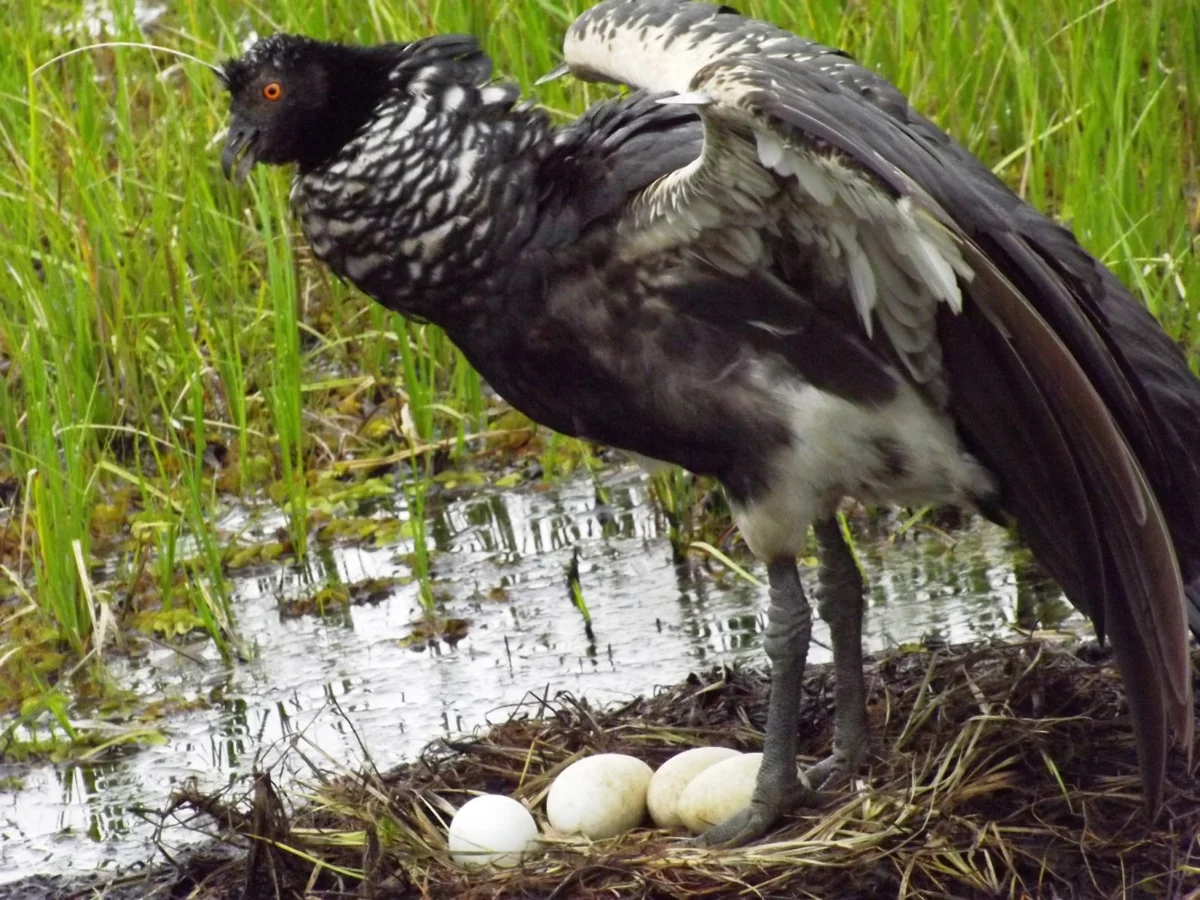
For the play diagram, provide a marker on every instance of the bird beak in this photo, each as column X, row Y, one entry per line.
column 239, row 143
column 557, row 72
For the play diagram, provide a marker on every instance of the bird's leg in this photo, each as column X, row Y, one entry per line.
column 840, row 603
column 789, row 627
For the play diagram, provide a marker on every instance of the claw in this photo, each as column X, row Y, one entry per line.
column 739, row 829
column 821, row 774
column 761, row 816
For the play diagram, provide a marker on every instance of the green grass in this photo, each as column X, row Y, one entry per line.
column 168, row 344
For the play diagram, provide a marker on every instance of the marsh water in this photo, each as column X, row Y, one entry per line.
column 328, row 691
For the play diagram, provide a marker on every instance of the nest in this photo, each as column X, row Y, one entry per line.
column 1000, row 771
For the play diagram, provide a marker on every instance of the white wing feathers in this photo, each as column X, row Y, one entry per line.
column 897, row 256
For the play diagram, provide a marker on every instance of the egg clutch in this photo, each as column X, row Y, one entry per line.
column 606, row 795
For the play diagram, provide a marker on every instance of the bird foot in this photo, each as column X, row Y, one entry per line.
column 758, row 818
column 826, row 773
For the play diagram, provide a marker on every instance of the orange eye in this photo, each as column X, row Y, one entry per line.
column 272, row 90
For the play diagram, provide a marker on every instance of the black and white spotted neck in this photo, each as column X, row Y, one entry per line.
column 432, row 193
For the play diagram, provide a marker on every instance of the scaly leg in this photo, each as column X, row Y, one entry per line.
column 789, row 627
column 840, row 602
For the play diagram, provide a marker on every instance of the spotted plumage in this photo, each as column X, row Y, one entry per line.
column 763, row 265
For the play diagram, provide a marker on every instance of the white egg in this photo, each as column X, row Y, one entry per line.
column 718, row 792
column 492, row 829
column 674, row 775
column 600, row 796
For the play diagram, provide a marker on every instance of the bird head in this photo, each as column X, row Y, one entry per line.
column 415, row 168
column 297, row 100
column 280, row 102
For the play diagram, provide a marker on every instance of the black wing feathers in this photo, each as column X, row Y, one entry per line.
column 772, row 317
column 1101, row 444
column 605, row 156
column 1143, row 375
column 1057, row 324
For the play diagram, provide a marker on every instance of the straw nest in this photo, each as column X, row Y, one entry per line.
column 1000, row 771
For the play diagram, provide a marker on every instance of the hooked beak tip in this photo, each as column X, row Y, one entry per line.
column 238, row 157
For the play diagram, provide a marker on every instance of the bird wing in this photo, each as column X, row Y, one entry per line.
column 809, row 157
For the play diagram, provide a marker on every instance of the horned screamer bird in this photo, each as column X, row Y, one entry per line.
column 764, row 266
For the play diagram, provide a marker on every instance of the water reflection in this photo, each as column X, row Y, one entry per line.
column 500, row 559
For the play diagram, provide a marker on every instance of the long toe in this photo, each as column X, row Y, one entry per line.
column 742, row 827
column 760, row 816
column 830, row 771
